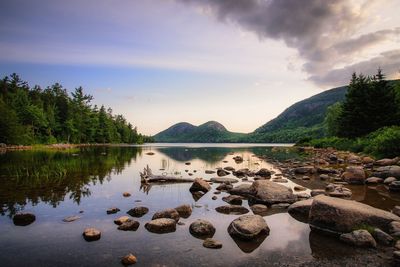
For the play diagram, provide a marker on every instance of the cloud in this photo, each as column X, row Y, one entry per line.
column 321, row 31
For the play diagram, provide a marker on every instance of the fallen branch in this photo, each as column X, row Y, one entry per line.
column 147, row 176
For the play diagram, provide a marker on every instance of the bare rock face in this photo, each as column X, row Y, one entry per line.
column 200, row 185
column 184, row 210
column 359, row 238
column 342, row 216
column 161, row 226
column 267, row 192
column 168, row 213
column 202, row 229
column 232, row 209
column 91, row 234
column 138, row 211
column 300, row 210
column 248, row 227
column 354, row 175
column 23, row 219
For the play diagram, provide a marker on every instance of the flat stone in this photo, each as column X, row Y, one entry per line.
column 209, row 172
column 232, row 209
column 161, row 226
column 71, row 218
column 91, row 234
column 374, row 180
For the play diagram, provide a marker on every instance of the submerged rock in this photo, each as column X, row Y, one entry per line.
column 248, row 227
column 232, row 209
column 23, row 219
column 138, row 211
column 202, row 229
column 341, row 216
column 167, row 213
column 200, row 185
column 184, row 210
column 359, row 238
column 209, row 171
column 129, row 259
column 130, row 225
column 71, row 218
column 161, row 226
column 212, row 243
column 91, row 234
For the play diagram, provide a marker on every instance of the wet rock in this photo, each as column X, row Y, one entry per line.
column 113, row 210
column 209, row 172
column 200, row 185
column 304, row 170
column 386, row 162
column 130, row 225
column 129, row 259
column 243, row 190
column 389, row 180
column 388, row 171
column 259, row 209
column 317, row 192
column 126, row 194
column 266, row 192
column 232, row 209
column 241, row 172
column 340, row 192
column 161, row 226
column 374, row 180
column 121, row 220
column 202, row 229
column 248, row 227
column 394, row 186
column 138, row 211
column 382, row 238
column 91, row 234
column 221, row 172
column 233, row 199
column 71, row 218
column 359, row 238
column 223, row 180
column 212, row 243
column 302, row 196
column 23, row 219
column 263, row 173
column 229, row 168
column 300, row 210
column 197, row 195
column 224, row 186
column 354, row 175
column 167, row 213
column 341, row 216
column 184, row 210
column 280, row 206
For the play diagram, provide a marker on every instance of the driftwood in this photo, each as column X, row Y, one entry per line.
column 147, row 177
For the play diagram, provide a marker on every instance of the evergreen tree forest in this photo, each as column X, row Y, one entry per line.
column 33, row 115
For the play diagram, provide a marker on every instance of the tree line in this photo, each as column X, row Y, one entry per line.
column 33, row 115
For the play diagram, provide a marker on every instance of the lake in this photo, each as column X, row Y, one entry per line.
column 87, row 181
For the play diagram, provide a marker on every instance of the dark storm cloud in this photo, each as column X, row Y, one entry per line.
column 321, row 30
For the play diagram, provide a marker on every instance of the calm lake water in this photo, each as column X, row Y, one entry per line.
column 57, row 184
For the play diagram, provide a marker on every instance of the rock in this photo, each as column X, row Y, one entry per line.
column 184, row 211
column 113, row 210
column 138, row 211
column 150, row 153
column 241, row 172
column 397, row 245
column 242, row 190
column 212, row 243
column 91, row 234
column 221, row 172
column 233, row 199
column 71, row 218
column 121, row 220
column 161, row 226
column 374, row 180
column 263, row 173
column 324, row 177
column 187, row 163
column 202, row 229
column 266, row 192
column 232, row 209
column 396, row 257
column 317, row 192
column 386, row 162
column 229, row 168
column 304, row 170
column 200, row 185
column 214, row 198
column 354, row 159
column 259, row 209
column 394, row 186
column 23, row 219
column 167, row 213
column 129, row 259
column 130, row 225
column 330, row 188
column 220, row 180
column 367, row 160
column 279, row 180
column 248, row 227
column 299, row 188
column 238, row 159
column 396, row 210
column 389, row 180
column 209, row 172
column 224, row 186
column 359, row 238
column 388, row 171
column 126, row 194
column 340, row 192
column 354, row 175
column 382, row 238
column 306, row 178
column 280, row 206
column 197, row 195
column 394, row 227
column 300, row 210
column 341, row 216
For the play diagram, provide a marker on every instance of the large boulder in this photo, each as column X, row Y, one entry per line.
column 248, row 227
column 267, row 192
column 342, row 216
column 388, row 171
column 359, row 238
column 161, row 226
column 354, row 175
column 202, row 229
column 167, row 213
column 23, row 219
column 200, row 185
column 300, row 210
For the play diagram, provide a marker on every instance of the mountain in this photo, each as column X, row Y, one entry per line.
column 209, row 132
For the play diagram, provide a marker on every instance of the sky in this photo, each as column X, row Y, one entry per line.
column 160, row 62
